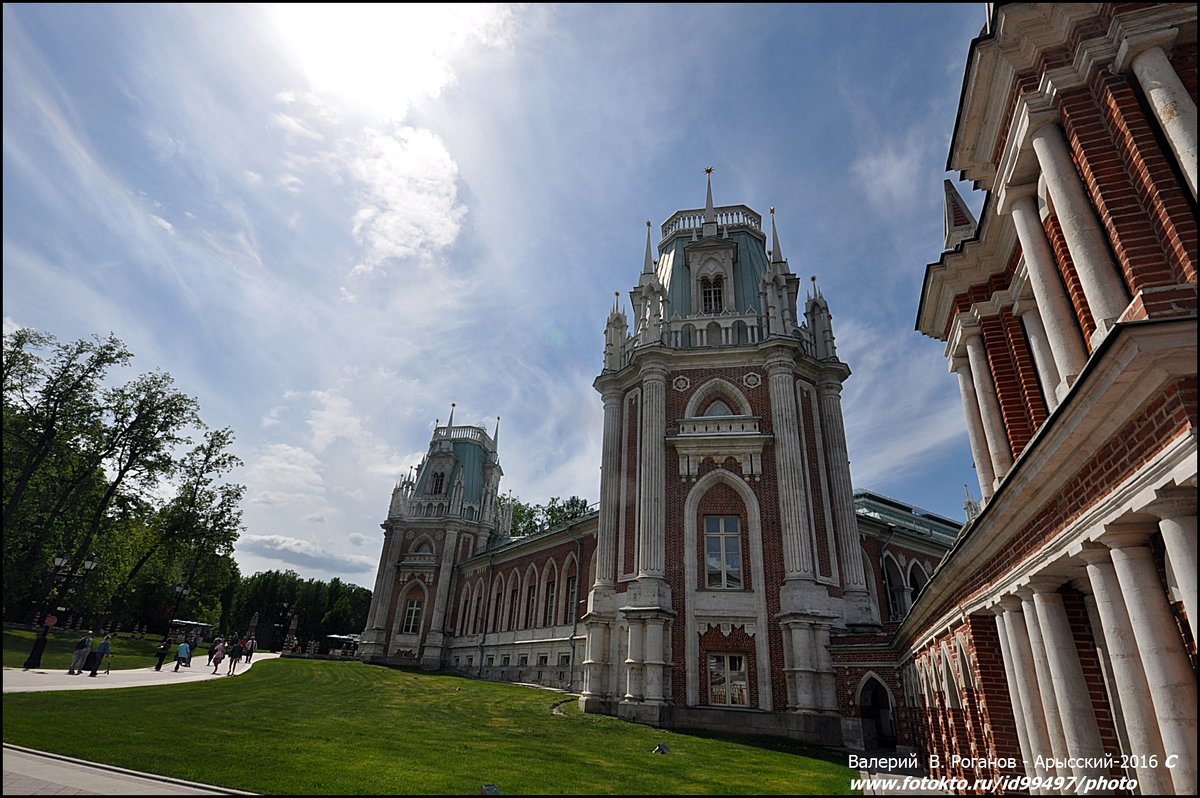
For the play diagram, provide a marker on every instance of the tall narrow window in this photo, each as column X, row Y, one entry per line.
column 727, row 683
column 712, row 294
column 513, row 609
column 569, row 600
column 439, row 483
column 412, row 617
column 722, row 552
column 548, row 612
column 530, row 606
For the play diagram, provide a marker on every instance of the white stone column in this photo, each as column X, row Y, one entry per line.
column 445, row 570
column 841, row 499
column 1070, row 687
column 989, row 406
column 826, row 683
column 1013, row 683
column 1169, row 98
column 975, row 434
column 652, row 454
column 1168, row 671
column 1103, row 286
column 789, row 462
column 1043, row 358
column 594, row 686
column 1176, row 509
column 1045, row 681
column 379, row 598
column 1061, row 324
column 805, row 658
column 610, row 489
column 1032, row 710
column 654, row 664
column 1141, row 727
column 633, row 661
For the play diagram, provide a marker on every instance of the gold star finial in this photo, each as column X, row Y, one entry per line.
column 708, row 170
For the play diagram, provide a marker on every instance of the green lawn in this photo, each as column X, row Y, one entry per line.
column 293, row 726
column 127, row 652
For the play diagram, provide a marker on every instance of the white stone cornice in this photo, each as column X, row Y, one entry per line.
column 1134, row 44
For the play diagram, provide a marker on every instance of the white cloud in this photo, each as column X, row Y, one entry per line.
column 163, row 223
column 410, row 196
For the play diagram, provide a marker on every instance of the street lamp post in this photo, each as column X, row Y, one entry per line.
column 61, row 576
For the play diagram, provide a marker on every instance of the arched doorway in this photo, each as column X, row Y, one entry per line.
column 878, row 724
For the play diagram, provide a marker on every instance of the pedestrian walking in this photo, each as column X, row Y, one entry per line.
column 235, row 655
column 83, row 647
column 218, row 656
column 212, row 648
column 161, row 652
column 182, row 654
column 251, row 647
column 193, row 643
column 102, row 651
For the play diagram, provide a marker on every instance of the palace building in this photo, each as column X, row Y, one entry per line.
column 729, row 549
column 1057, row 638
column 731, row 577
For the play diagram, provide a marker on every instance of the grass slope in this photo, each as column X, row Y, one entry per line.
column 317, row 727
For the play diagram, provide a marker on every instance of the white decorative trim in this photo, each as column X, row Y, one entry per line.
column 752, row 380
column 681, row 384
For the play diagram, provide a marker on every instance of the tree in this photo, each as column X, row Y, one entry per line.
column 47, row 401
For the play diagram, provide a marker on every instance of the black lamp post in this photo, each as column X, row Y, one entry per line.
column 61, row 576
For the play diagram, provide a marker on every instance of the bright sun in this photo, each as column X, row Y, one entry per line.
column 381, row 57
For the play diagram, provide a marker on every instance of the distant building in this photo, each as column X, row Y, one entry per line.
column 1057, row 639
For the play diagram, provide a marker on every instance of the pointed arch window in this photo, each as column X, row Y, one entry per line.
column 439, row 483
column 718, row 408
column 712, row 294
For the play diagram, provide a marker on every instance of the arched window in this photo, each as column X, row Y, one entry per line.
column 712, row 294
column 439, row 483
column 718, row 408
column 917, row 579
column 896, row 592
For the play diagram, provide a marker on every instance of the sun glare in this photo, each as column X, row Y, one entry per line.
column 381, row 57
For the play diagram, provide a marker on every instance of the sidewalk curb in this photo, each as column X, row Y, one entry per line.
column 126, row 772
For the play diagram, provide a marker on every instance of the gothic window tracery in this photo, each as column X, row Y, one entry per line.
column 712, row 294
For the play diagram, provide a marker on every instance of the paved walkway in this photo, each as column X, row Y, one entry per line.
column 29, row 772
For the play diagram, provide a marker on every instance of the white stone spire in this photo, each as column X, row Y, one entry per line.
column 710, row 215
column 649, row 266
column 496, row 435
column 450, row 423
column 776, row 247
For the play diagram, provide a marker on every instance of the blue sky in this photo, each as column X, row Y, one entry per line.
column 329, row 223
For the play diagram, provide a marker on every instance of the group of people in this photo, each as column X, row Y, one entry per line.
column 219, row 650
column 233, row 649
column 86, row 659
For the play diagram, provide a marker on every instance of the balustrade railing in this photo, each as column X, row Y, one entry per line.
column 726, row 216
